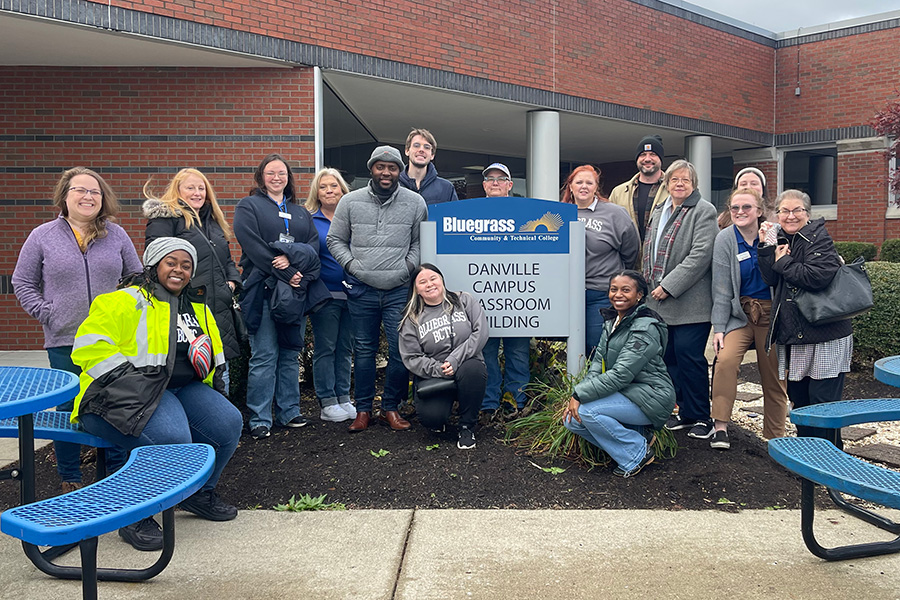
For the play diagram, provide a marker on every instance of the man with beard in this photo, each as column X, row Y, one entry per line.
column 640, row 195
column 421, row 176
column 374, row 236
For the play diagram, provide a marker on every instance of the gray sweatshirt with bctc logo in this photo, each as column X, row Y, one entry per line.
column 443, row 333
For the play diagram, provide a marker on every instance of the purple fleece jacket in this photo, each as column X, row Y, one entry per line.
column 55, row 282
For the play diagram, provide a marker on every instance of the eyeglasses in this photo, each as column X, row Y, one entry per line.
column 677, row 180
column 84, row 192
column 418, row 145
column 794, row 211
column 281, row 174
column 496, row 179
column 745, row 208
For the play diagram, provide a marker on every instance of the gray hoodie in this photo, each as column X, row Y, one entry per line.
column 378, row 243
column 441, row 335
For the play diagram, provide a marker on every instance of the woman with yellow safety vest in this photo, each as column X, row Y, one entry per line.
column 148, row 354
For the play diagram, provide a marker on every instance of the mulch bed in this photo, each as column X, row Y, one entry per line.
column 322, row 458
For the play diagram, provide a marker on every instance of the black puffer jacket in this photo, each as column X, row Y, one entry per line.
column 164, row 222
column 811, row 266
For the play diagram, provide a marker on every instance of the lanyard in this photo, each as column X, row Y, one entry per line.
column 287, row 223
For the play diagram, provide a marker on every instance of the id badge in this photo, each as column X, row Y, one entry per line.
column 283, row 237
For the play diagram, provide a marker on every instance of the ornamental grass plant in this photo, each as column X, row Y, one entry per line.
column 542, row 431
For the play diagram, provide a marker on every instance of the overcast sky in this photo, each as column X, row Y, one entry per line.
column 786, row 15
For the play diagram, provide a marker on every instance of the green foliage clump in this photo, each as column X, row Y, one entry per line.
column 876, row 334
column 850, row 251
column 307, row 502
column 890, row 251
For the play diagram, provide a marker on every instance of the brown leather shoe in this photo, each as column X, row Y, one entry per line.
column 396, row 422
column 360, row 423
column 71, row 486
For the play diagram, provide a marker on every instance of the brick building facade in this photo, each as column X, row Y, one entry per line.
column 216, row 85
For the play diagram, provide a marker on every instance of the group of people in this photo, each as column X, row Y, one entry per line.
column 735, row 273
column 151, row 338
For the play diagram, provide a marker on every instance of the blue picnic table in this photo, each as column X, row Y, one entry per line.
column 820, row 462
column 23, row 392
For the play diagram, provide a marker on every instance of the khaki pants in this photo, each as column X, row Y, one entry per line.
column 728, row 363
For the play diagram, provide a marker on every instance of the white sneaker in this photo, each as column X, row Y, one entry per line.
column 334, row 413
column 348, row 408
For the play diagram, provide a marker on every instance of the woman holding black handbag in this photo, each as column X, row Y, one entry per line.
column 442, row 334
column 800, row 255
column 188, row 210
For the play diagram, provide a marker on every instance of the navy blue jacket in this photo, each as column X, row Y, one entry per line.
column 434, row 189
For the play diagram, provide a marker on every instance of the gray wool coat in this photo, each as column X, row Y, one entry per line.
column 687, row 276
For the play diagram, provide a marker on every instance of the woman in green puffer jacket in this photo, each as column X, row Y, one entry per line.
column 627, row 392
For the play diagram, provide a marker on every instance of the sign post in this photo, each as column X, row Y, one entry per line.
column 522, row 258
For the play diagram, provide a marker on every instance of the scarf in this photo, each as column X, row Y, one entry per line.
column 655, row 270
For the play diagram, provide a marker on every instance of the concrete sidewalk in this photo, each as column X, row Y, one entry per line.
column 484, row 554
column 479, row 554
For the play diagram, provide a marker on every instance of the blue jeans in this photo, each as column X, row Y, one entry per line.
column 332, row 353
column 368, row 311
column 193, row 413
column 687, row 366
column 516, row 352
column 614, row 424
column 273, row 371
column 68, row 455
column 594, row 300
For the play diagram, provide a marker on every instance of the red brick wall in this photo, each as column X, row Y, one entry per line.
column 863, row 194
column 138, row 102
column 615, row 51
column 843, row 82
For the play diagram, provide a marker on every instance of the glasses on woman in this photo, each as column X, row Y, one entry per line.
column 791, row 211
column 84, row 192
column 743, row 208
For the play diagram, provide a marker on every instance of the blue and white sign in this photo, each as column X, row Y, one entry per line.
column 502, row 225
column 522, row 258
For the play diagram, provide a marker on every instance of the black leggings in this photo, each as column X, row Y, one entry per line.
column 809, row 391
column 471, row 380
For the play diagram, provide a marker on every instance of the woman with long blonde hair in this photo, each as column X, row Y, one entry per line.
column 188, row 210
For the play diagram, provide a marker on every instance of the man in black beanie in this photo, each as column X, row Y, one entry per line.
column 640, row 195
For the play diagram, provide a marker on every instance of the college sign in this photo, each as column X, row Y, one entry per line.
column 522, row 258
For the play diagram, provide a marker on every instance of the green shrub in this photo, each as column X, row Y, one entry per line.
column 890, row 251
column 850, row 251
column 876, row 334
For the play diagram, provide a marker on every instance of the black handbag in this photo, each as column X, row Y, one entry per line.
column 849, row 294
column 429, row 388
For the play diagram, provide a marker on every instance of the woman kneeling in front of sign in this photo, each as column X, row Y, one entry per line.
column 627, row 394
column 442, row 335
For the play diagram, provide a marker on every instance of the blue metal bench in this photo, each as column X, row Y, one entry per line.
column 55, row 425
column 154, row 479
column 819, row 461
